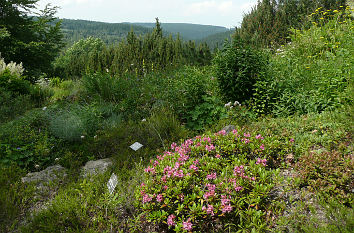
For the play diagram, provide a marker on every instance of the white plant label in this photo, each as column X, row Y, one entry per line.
column 112, row 183
column 136, row 146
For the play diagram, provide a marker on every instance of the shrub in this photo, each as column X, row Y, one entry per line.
column 312, row 73
column 13, row 106
column 73, row 122
column 329, row 173
column 14, row 83
column 210, row 182
column 26, row 142
column 238, row 67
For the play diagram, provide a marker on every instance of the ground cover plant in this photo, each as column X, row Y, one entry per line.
column 211, row 183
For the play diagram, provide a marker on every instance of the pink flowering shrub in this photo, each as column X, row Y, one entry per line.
column 209, row 181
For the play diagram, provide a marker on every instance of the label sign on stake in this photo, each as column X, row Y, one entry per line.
column 136, row 146
column 112, row 183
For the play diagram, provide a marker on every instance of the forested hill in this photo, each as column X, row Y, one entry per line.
column 75, row 30
column 113, row 32
column 217, row 40
column 186, row 30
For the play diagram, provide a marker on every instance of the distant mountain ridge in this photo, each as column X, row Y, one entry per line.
column 187, row 31
column 111, row 33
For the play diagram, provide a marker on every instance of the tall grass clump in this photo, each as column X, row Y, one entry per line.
column 313, row 72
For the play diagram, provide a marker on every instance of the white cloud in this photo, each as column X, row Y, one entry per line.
column 206, row 7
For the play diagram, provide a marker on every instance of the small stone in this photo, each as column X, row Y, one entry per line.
column 228, row 128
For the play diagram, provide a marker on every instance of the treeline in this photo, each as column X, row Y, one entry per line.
column 138, row 54
column 109, row 33
column 270, row 21
column 216, row 41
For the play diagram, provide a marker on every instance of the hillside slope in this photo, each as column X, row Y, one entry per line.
column 75, row 30
column 186, row 30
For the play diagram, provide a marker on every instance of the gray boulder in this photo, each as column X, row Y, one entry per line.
column 96, row 167
column 46, row 176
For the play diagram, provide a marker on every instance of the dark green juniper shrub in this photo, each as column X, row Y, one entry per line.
column 210, row 183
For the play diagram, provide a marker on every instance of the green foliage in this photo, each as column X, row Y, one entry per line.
column 26, row 141
column 210, row 187
column 30, row 39
column 12, row 106
column 312, row 73
column 328, row 173
column 73, row 122
column 269, row 21
column 135, row 55
column 76, row 60
column 206, row 114
column 238, row 67
column 217, row 40
column 109, row 33
column 187, row 31
column 14, row 197
column 14, row 83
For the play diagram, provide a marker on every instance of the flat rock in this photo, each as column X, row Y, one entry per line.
column 47, row 175
column 96, row 167
column 228, row 128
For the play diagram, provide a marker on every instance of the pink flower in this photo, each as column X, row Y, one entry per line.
column 227, row 209
column 262, row 147
column 163, row 179
column 165, row 187
column 179, row 173
column 208, row 139
column 210, row 148
column 224, row 200
column 183, row 158
column 173, row 145
column 156, row 163
column 211, row 193
column 259, row 137
column 150, row 170
column 292, row 140
column 210, row 210
column 170, row 220
column 193, row 167
column 159, row 198
column 246, row 140
column 247, row 135
column 217, row 156
column 261, row 161
column 222, row 132
column 211, row 187
column 196, row 162
column 211, row 176
column 234, row 131
column 146, row 198
column 238, row 188
column 187, row 225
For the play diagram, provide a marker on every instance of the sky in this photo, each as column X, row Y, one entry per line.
column 227, row 13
